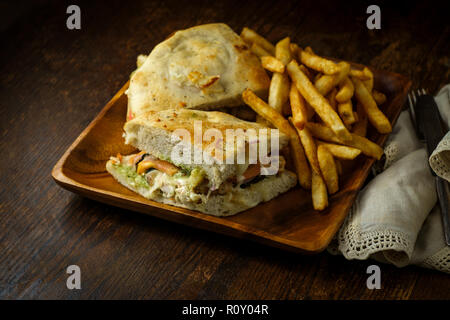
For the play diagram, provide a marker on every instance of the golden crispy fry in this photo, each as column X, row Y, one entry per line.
column 369, row 82
column 340, row 151
column 375, row 116
column 327, row 82
column 319, row 192
column 272, row 64
column 318, row 63
column 298, row 107
column 250, row 36
column 294, row 50
column 309, row 50
column 346, row 90
column 322, row 132
column 283, row 50
column 363, row 74
column 279, row 91
column 379, row 97
column 267, row 112
column 345, row 110
column 259, row 51
column 355, row 115
column 263, row 121
column 366, row 146
column 309, row 145
column 360, row 127
column 320, row 75
column 332, row 99
column 307, row 72
column 317, row 101
column 300, row 163
column 338, row 166
column 328, row 169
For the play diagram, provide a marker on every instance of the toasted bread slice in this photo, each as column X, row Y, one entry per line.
column 203, row 67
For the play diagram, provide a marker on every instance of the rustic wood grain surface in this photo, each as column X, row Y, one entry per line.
column 54, row 81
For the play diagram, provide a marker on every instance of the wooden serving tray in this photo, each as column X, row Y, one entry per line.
column 288, row 221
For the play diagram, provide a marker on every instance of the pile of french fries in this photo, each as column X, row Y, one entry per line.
column 324, row 107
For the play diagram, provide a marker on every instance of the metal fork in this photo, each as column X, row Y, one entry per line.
column 442, row 188
column 412, row 100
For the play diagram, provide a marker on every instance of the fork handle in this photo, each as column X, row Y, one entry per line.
column 442, row 192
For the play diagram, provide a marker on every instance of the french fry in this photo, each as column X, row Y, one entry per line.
column 338, row 166
column 375, row 116
column 267, row 112
column 345, row 110
column 363, row 74
column 369, row 82
column 259, row 51
column 328, row 169
column 327, row 82
column 340, row 151
column 360, row 127
column 379, row 97
column 318, row 63
column 309, row 50
column 250, row 36
column 317, row 101
column 298, row 108
column 332, row 99
column 319, row 192
column 346, row 90
column 366, row 146
column 279, row 85
column 301, row 165
column 322, row 132
column 307, row 72
column 309, row 145
column 320, row 75
column 272, row 64
column 279, row 91
column 263, row 121
column 283, row 50
column 294, row 50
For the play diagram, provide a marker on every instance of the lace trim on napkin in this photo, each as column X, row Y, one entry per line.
column 439, row 261
column 440, row 159
column 354, row 244
column 391, row 154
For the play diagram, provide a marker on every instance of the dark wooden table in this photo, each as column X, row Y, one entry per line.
column 53, row 83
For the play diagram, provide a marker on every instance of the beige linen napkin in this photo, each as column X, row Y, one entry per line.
column 396, row 218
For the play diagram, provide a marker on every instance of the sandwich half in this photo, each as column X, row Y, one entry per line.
column 165, row 169
column 203, row 68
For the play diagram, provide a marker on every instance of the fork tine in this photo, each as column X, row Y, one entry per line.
column 415, row 95
column 411, row 109
column 410, row 103
column 412, row 100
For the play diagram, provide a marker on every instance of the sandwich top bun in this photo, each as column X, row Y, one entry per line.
column 203, row 67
